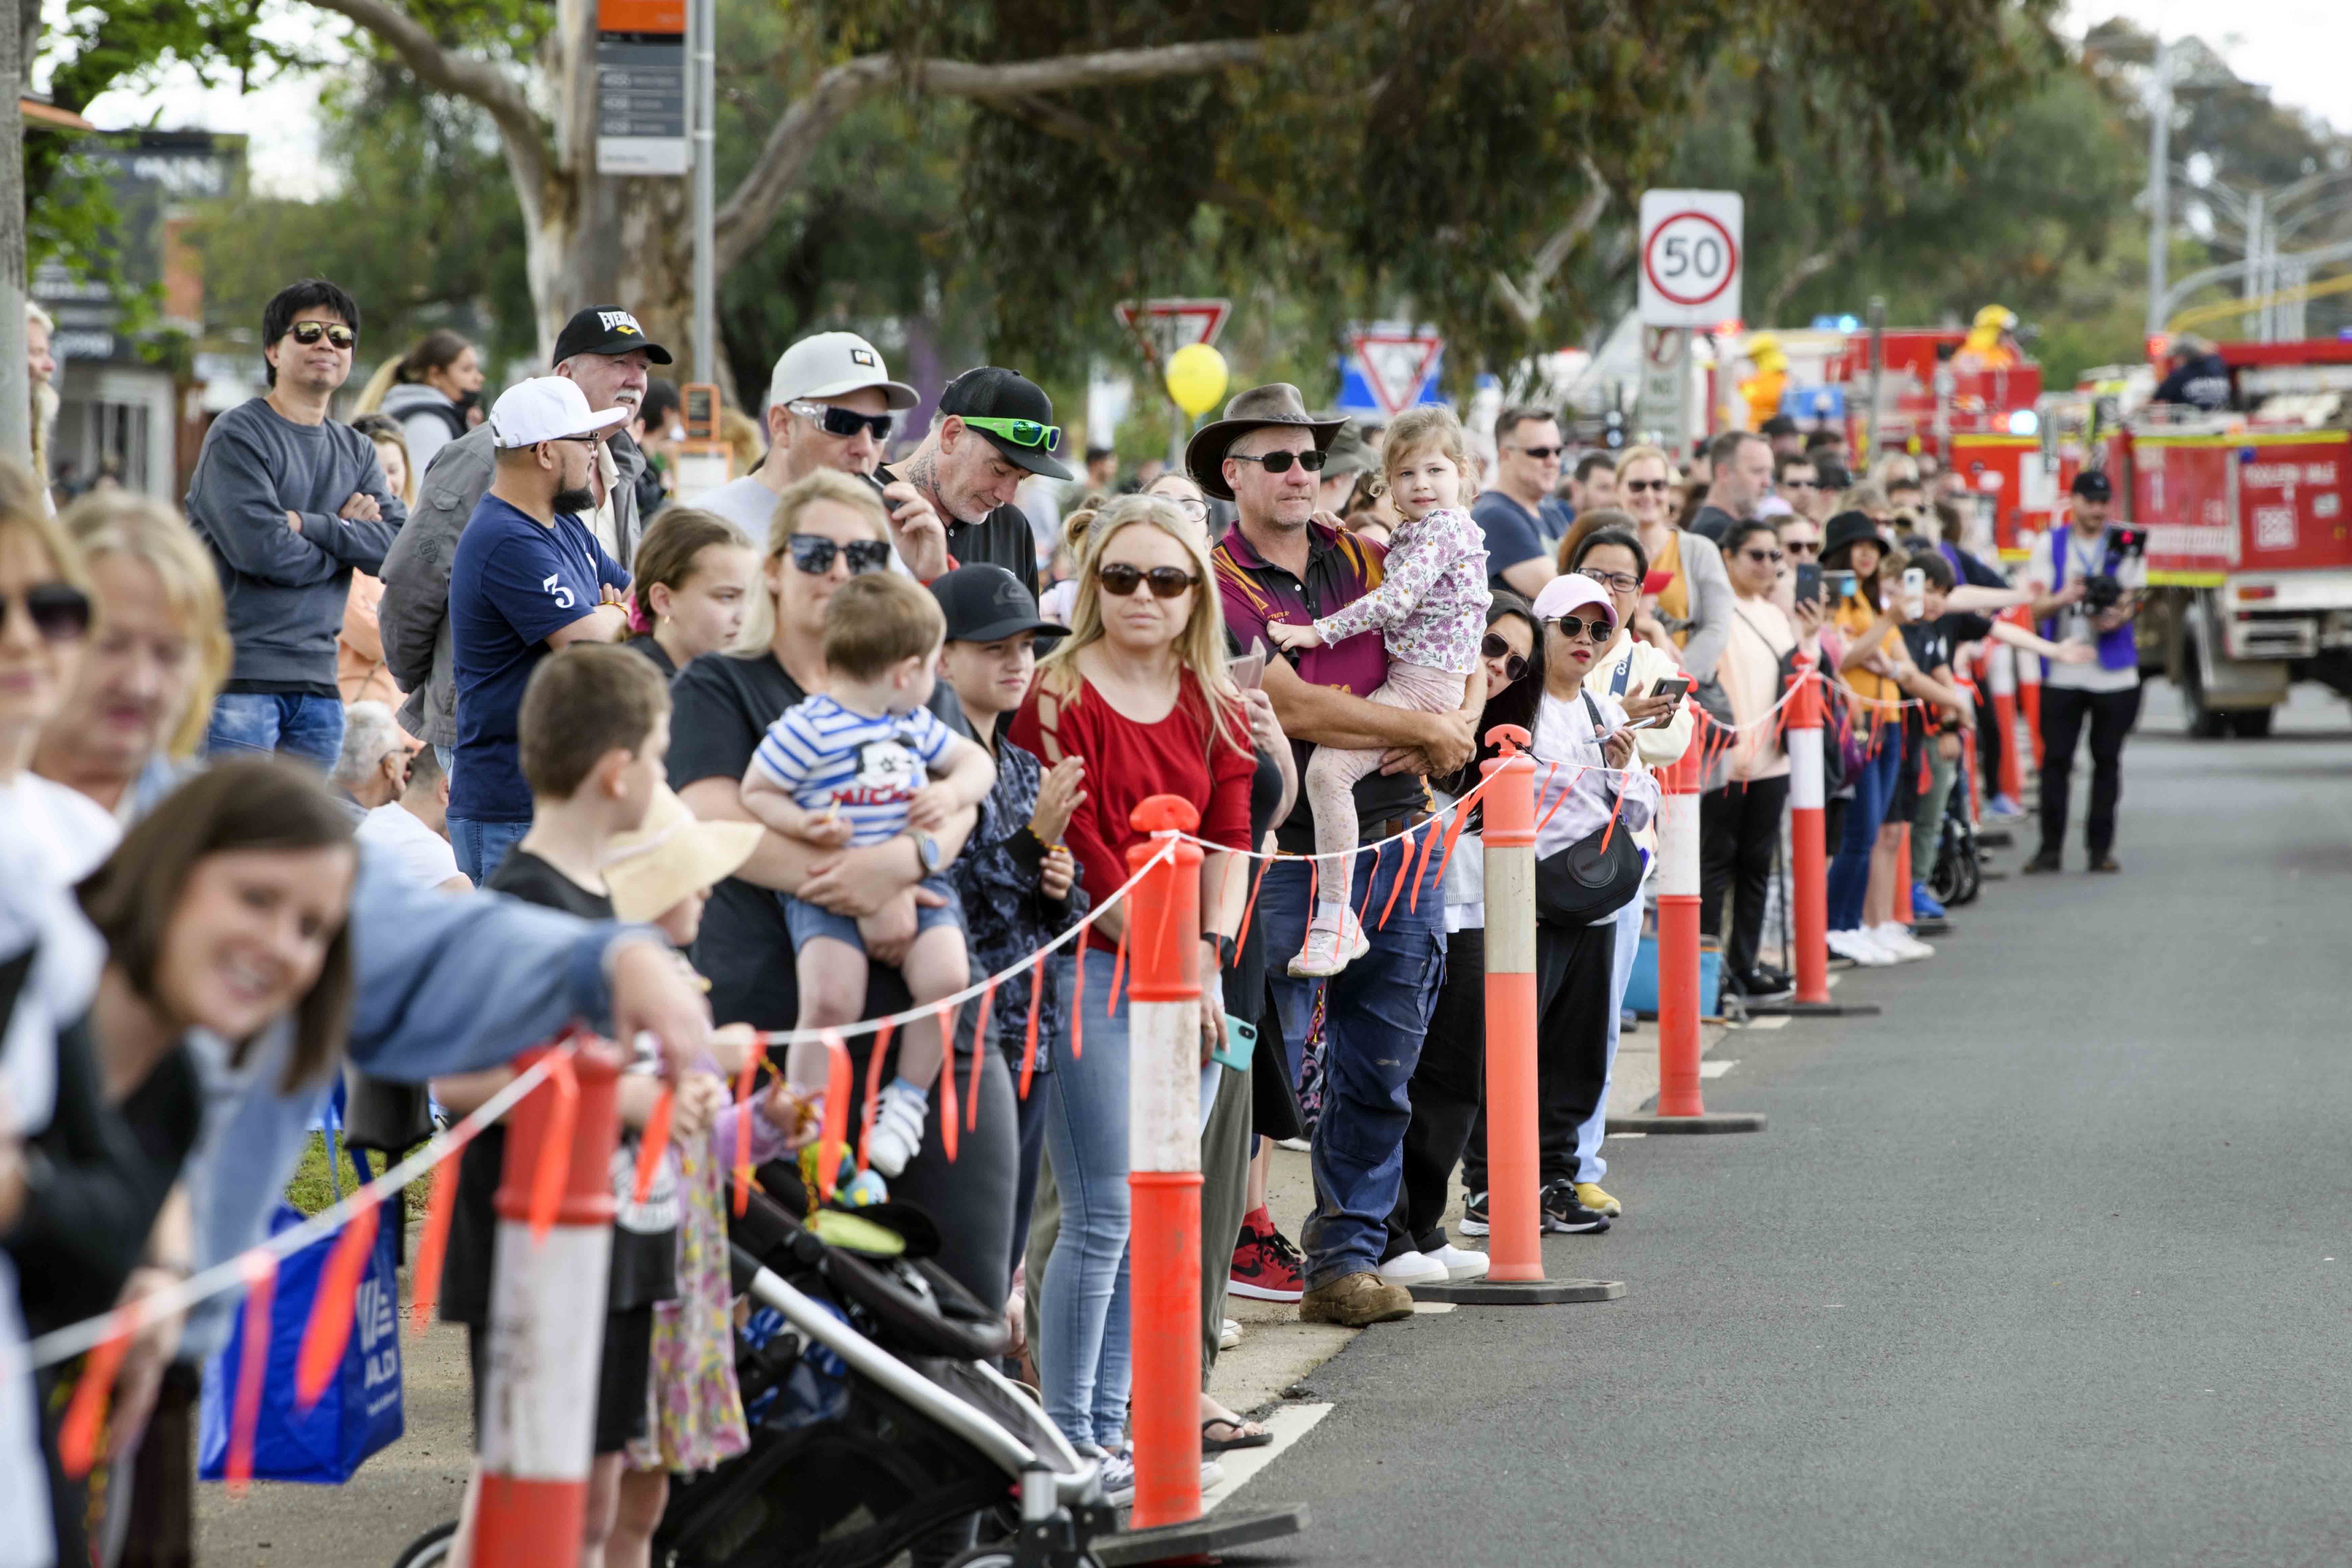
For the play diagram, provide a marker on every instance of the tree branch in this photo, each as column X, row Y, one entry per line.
column 796, row 135
column 519, row 127
column 1524, row 300
column 1811, row 266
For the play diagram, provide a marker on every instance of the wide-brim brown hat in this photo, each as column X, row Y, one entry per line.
column 1278, row 404
column 673, row 853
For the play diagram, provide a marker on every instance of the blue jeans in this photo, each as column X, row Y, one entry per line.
column 1873, row 789
column 480, row 845
column 1086, row 1357
column 311, row 727
column 1375, row 1015
column 1590, row 1166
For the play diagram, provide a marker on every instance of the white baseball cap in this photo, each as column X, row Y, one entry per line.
column 547, row 408
column 831, row 365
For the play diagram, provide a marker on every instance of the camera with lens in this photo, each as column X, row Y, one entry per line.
column 2101, row 593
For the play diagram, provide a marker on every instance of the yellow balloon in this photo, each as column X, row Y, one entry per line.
column 1196, row 378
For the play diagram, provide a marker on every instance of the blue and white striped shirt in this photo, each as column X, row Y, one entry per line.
column 823, row 755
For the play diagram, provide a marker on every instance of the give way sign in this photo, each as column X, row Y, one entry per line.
column 1160, row 327
column 1396, row 359
column 1690, row 257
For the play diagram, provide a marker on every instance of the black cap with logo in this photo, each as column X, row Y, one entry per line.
column 2092, row 485
column 984, row 604
column 605, row 329
column 992, row 393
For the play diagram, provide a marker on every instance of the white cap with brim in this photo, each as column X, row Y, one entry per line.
column 547, row 408
column 834, row 365
column 1562, row 594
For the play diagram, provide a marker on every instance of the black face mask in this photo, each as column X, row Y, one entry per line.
column 579, row 502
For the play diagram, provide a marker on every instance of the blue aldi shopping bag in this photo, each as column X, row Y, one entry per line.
column 360, row 1411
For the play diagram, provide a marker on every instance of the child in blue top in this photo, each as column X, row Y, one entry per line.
column 853, row 765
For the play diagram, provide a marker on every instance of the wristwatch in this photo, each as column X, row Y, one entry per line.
column 927, row 850
column 1225, row 948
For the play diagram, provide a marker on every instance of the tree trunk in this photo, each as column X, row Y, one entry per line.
column 625, row 241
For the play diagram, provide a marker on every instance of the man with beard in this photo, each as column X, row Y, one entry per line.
column 529, row 577
column 995, row 429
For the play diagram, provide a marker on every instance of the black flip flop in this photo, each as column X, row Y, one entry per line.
column 1209, row 1445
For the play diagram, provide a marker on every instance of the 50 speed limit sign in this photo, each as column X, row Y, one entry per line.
column 1690, row 257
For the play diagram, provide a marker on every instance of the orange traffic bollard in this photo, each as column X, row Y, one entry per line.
column 1808, row 858
column 547, row 1326
column 2002, row 676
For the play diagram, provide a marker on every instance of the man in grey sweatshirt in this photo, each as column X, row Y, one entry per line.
column 602, row 349
column 290, row 503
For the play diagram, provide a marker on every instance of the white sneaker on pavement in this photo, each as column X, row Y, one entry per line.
column 1118, row 1478
column 1856, row 947
column 1229, row 1335
column 1899, row 942
column 1459, row 1263
column 1410, row 1269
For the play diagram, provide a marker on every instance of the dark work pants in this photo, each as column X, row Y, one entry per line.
column 1738, row 828
column 2110, row 715
column 1445, row 1091
column 1574, row 970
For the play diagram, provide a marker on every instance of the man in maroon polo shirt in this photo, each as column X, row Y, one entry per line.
column 1282, row 563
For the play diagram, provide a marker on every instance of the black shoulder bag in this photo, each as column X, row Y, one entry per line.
column 1594, row 876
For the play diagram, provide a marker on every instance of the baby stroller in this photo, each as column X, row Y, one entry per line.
column 1957, row 875
column 879, row 1423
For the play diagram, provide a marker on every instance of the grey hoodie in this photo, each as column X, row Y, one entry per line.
column 413, row 615
column 428, row 420
column 286, row 589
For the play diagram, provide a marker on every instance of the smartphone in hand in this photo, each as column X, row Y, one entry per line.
column 1808, row 581
column 1249, row 671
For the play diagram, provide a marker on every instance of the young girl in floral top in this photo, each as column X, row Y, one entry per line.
column 1430, row 607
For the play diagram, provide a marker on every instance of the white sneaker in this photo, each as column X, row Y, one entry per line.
column 897, row 1128
column 1410, row 1269
column 1459, row 1263
column 1898, row 940
column 1118, row 1478
column 1856, row 947
column 1296, row 1145
column 1229, row 1335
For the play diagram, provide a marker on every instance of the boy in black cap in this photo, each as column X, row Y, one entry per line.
column 1016, row 879
column 995, row 428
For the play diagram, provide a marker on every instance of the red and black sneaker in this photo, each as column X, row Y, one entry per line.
column 1266, row 1265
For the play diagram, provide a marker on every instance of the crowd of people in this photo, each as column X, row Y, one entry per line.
column 417, row 737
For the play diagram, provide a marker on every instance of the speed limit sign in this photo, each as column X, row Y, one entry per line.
column 1690, row 257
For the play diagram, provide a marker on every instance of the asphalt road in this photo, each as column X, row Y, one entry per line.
column 2050, row 1264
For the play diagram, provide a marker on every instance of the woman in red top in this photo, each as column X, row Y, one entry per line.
column 1140, row 691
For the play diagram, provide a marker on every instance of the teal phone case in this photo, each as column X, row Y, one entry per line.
column 1241, row 1040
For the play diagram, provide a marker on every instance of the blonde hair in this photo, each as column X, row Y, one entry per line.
column 1632, row 454
column 395, row 438
column 1431, row 427
column 824, row 485
column 1200, row 647
column 122, row 522
column 1894, row 469
column 745, row 436
column 1866, row 497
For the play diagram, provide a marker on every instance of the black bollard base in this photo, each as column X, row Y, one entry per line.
column 1521, row 1292
column 1813, row 1009
column 1200, row 1538
column 1706, row 1121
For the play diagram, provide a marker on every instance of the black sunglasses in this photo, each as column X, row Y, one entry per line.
column 308, row 333
column 1279, row 462
column 1801, row 484
column 60, row 611
column 1494, row 647
column 1119, row 578
column 834, row 420
column 1599, row 627
column 813, row 553
column 1637, row 486
column 1541, row 453
column 1802, row 546
column 1761, row 556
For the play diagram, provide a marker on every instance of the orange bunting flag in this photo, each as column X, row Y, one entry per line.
column 873, row 1090
column 433, row 1246
column 86, row 1415
column 555, row 1149
column 1079, row 1001
column 745, row 1081
column 1452, row 833
column 252, row 1366
column 979, row 1047
column 1371, row 877
column 654, row 1144
column 1251, row 908
column 1404, row 866
column 832, row 1129
column 1036, row 999
column 1610, row 831
column 946, row 1013
column 328, row 1332
column 1119, row 970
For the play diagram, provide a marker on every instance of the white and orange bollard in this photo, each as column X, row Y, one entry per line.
column 1681, row 1108
column 547, row 1316
column 1809, row 854
column 2001, row 680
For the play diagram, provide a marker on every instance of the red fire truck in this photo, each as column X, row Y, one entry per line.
column 2250, row 543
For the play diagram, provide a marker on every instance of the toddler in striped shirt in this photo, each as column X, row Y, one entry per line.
column 860, row 763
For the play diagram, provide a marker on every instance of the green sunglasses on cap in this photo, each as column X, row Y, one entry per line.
column 1019, row 431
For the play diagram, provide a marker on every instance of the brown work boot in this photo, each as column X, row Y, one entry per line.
column 1356, row 1301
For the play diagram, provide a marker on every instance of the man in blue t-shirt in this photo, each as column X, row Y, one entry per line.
column 1521, row 519
column 529, row 577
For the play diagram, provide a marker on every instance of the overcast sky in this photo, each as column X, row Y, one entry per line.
column 2299, row 48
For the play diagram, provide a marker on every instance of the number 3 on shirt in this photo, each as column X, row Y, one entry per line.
column 558, row 592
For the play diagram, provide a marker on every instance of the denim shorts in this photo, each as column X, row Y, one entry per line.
column 807, row 921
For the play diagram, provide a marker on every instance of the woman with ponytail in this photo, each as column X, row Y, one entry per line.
column 428, row 390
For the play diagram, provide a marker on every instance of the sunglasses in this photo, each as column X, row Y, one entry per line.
column 1762, row 557
column 845, row 422
column 1541, row 453
column 58, row 611
column 1494, row 647
column 1599, row 628
column 1279, row 462
column 1119, row 578
column 813, row 553
column 1019, row 431
column 1616, row 582
column 1638, row 486
column 1802, row 546
column 1799, row 484
column 1193, row 507
column 308, row 333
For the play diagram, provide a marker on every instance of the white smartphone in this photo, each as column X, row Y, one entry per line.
column 1249, row 671
column 1915, row 592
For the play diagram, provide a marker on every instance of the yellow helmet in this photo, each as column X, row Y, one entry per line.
column 2000, row 318
column 1762, row 343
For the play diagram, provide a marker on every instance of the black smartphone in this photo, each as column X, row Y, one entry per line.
column 1808, row 581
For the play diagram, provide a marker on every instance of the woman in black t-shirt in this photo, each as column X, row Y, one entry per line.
column 827, row 528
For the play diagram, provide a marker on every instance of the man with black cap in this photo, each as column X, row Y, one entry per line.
column 2087, row 585
column 993, row 429
column 605, row 352
column 1283, row 561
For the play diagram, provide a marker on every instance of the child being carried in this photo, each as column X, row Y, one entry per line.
column 851, row 766
column 1430, row 606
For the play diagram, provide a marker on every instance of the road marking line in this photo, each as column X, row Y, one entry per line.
column 1718, row 1068
column 1777, row 1021
column 1288, row 1425
column 1432, row 1308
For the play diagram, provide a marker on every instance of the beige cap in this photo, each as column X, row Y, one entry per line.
column 673, row 853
